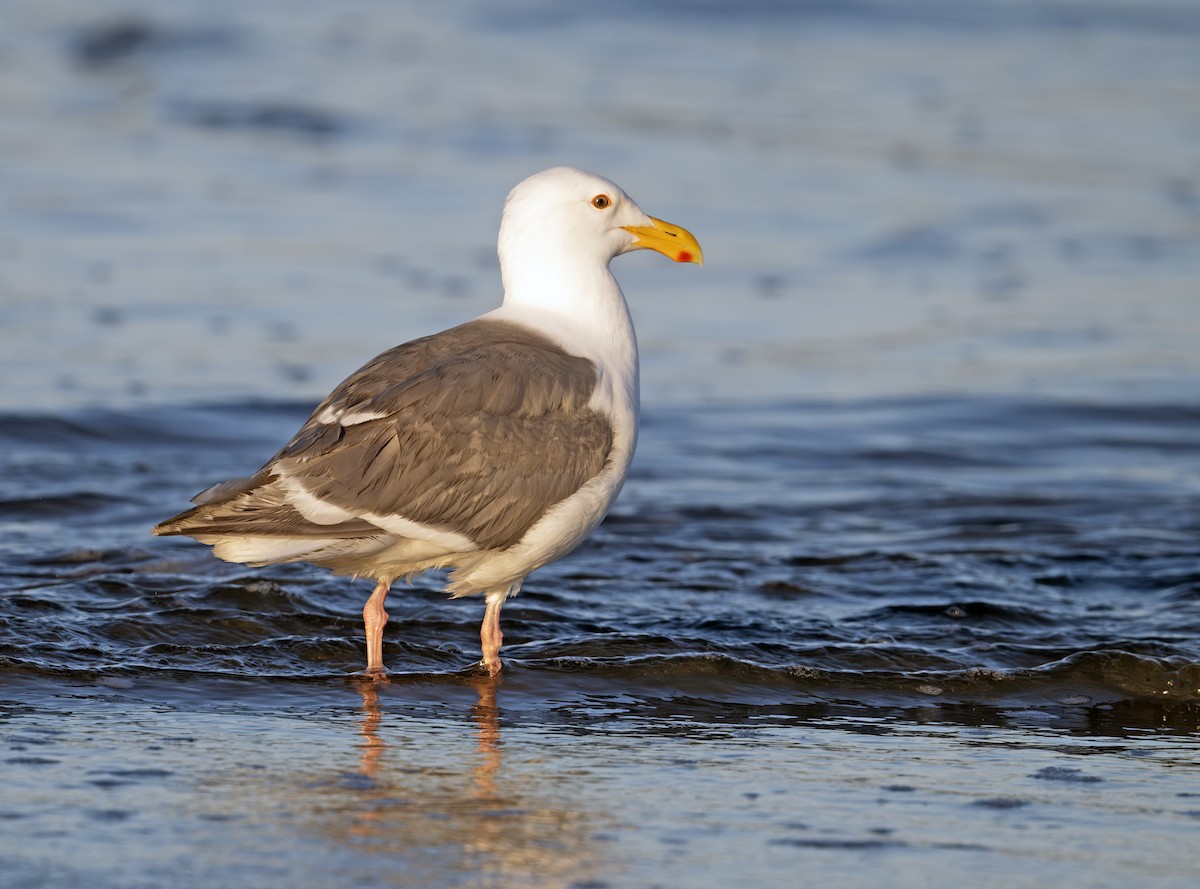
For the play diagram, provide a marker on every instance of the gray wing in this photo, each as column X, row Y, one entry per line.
column 477, row 430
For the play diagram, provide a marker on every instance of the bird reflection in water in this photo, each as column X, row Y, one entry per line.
column 373, row 746
column 487, row 718
column 420, row 799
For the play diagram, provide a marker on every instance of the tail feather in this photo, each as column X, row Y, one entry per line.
column 255, row 507
column 252, row 521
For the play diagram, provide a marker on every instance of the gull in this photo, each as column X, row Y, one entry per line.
column 490, row 449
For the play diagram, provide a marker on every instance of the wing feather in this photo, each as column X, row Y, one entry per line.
column 478, row 430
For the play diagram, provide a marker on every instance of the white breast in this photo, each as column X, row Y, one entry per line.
column 610, row 343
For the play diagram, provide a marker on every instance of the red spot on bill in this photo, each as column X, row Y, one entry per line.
column 684, row 256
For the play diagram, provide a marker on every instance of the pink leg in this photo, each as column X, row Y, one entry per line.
column 374, row 618
column 490, row 635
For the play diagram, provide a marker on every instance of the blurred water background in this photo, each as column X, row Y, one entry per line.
column 903, row 586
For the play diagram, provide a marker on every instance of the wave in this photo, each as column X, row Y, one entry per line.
column 946, row 553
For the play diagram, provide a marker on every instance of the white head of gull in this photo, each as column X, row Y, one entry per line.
column 491, row 448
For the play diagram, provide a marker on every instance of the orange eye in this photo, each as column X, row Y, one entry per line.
column 601, row 202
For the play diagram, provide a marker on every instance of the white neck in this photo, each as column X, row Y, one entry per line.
column 581, row 300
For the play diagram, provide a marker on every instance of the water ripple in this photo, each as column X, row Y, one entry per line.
column 927, row 551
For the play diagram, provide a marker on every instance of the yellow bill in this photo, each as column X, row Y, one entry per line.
column 672, row 241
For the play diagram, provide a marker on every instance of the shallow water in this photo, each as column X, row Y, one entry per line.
column 975, row 549
column 811, row 636
column 904, row 583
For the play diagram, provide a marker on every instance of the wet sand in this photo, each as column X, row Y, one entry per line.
column 470, row 783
